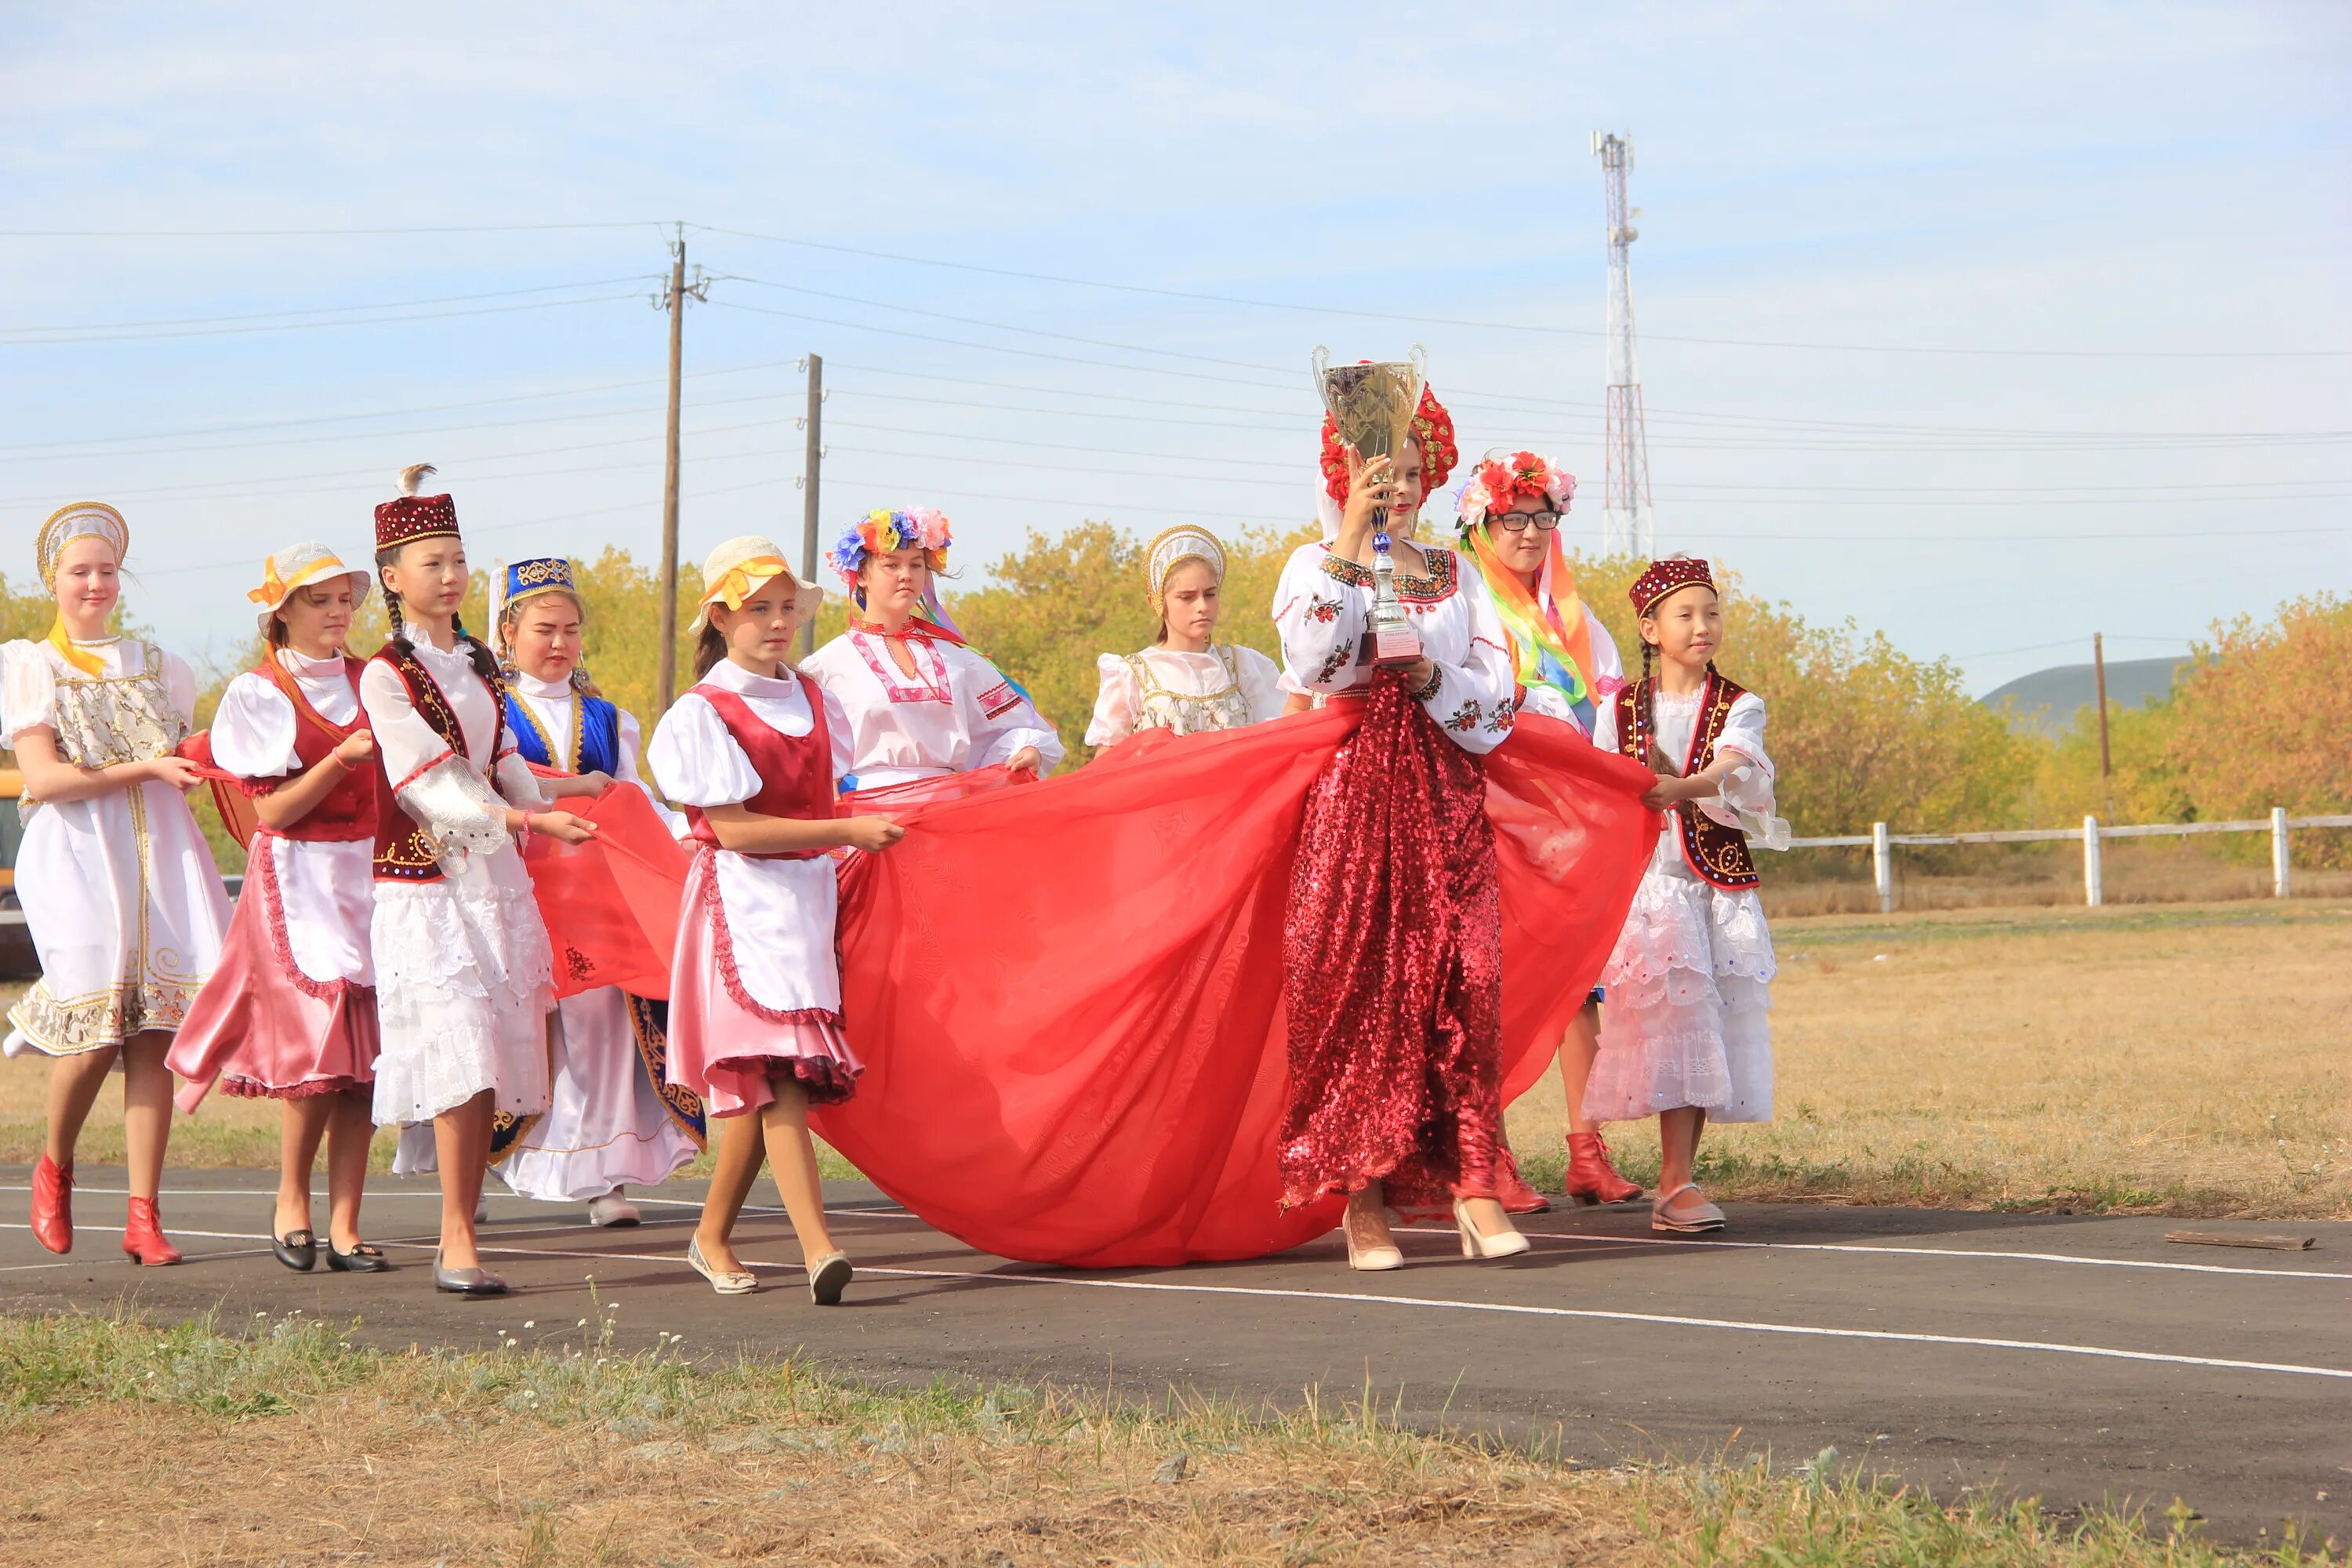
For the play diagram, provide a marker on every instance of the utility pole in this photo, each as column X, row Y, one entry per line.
column 812, row 460
column 673, row 299
column 2099, row 672
column 1626, row 527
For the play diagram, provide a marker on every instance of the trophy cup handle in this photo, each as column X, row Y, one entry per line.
column 1317, row 363
column 1419, row 358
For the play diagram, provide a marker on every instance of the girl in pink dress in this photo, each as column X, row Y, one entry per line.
column 753, row 752
column 289, row 1014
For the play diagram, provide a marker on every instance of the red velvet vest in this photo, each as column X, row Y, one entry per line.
column 348, row 814
column 796, row 774
column 1716, row 853
column 403, row 850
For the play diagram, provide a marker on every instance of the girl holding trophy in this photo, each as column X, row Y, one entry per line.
column 1393, row 983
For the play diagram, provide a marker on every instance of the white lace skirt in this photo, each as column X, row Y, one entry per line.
column 463, row 991
column 1686, row 1018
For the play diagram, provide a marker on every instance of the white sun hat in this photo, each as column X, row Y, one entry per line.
column 737, row 569
column 304, row 565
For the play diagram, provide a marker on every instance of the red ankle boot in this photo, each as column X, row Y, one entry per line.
column 1512, row 1190
column 142, row 1236
column 53, row 1205
column 1591, row 1179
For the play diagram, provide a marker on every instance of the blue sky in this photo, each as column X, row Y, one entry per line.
column 2110, row 185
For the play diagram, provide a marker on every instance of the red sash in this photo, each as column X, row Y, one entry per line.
column 1718, row 854
column 405, row 852
column 796, row 774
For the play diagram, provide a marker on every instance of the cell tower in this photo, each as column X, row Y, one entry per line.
column 1625, row 523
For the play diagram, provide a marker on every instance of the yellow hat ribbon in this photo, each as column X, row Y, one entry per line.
column 739, row 582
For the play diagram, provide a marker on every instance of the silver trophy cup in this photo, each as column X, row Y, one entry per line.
column 1373, row 405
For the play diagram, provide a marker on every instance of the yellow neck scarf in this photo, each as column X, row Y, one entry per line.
column 81, row 658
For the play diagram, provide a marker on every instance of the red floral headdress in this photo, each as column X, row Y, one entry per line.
column 1432, row 431
column 1661, row 578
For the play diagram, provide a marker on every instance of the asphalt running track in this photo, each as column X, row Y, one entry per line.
column 2077, row 1358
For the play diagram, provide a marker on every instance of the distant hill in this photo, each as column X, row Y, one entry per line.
column 2048, row 699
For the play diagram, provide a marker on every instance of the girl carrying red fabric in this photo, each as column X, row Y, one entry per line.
column 1393, row 937
column 753, row 752
column 290, row 1013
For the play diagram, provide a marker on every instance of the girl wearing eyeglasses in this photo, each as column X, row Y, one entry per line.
column 1509, row 516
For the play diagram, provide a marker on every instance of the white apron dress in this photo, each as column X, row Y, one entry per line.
column 462, row 964
column 123, row 902
column 604, row 1126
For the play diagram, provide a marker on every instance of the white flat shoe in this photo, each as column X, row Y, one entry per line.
column 726, row 1281
column 613, row 1212
column 1476, row 1243
column 1697, row 1220
column 828, row 1277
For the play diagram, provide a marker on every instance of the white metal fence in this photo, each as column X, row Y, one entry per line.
column 1882, row 845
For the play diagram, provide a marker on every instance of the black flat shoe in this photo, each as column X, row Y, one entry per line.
column 364, row 1258
column 465, row 1281
column 298, row 1251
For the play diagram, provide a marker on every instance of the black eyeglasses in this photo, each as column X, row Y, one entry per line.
column 1519, row 521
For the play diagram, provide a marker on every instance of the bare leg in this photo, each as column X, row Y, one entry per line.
column 350, row 1130
column 783, row 1121
column 461, row 1143
column 1678, row 1132
column 1368, row 1217
column 301, row 1122
column 1577, row 1050
column 146, row 1110
column 736, row 1167
column 74, row 1083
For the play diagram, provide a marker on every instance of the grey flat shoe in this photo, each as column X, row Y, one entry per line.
column 467, row 1281
column 1697, row 1220
column 726, row 1281
column 828, row 1277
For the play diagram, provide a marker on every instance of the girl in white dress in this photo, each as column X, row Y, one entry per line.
column 608, row 1123
column 1185, row 681
column 753, row 752
column 920, row 703
column 461, row 958
column 1684, row 1034
column 290, row 1013
column 124, row 904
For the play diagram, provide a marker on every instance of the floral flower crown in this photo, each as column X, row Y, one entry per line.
column 881, row 531
column 1500, row 483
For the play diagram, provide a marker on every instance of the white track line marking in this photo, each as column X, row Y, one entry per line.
column 1896, row 1248
column 1806, row 1330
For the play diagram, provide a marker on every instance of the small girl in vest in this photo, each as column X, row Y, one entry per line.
column 1185, row 681
column 124, row 905
column 753, row 752
column 612, row 1122
column 289, row 1014
column 462, row 970
column 1684, row 1034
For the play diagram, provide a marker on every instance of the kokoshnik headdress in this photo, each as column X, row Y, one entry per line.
column 1551, row 639
column 1186, row 541
column 1433, row 432
column 882, row 531
column 82, row 519
column 304, row 565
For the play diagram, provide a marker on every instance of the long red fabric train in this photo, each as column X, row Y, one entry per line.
column 1069, row 995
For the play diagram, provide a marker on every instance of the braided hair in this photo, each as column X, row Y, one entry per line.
column 477, row 653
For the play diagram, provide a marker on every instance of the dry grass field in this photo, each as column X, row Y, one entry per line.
column 2189, row 1058
column 287, row 1444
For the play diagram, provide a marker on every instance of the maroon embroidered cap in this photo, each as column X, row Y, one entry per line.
column 408, row 517
column 1661, row 578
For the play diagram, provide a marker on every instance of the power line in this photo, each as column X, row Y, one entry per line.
column 296, row 326
column 325, row 310
column 1512, row 326
column 656, row 223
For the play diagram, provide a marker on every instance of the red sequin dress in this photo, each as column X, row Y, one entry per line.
column 1393, row 934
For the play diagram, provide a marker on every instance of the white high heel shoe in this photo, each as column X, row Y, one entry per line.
column 1476, row 1243
column 1371, row 1259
